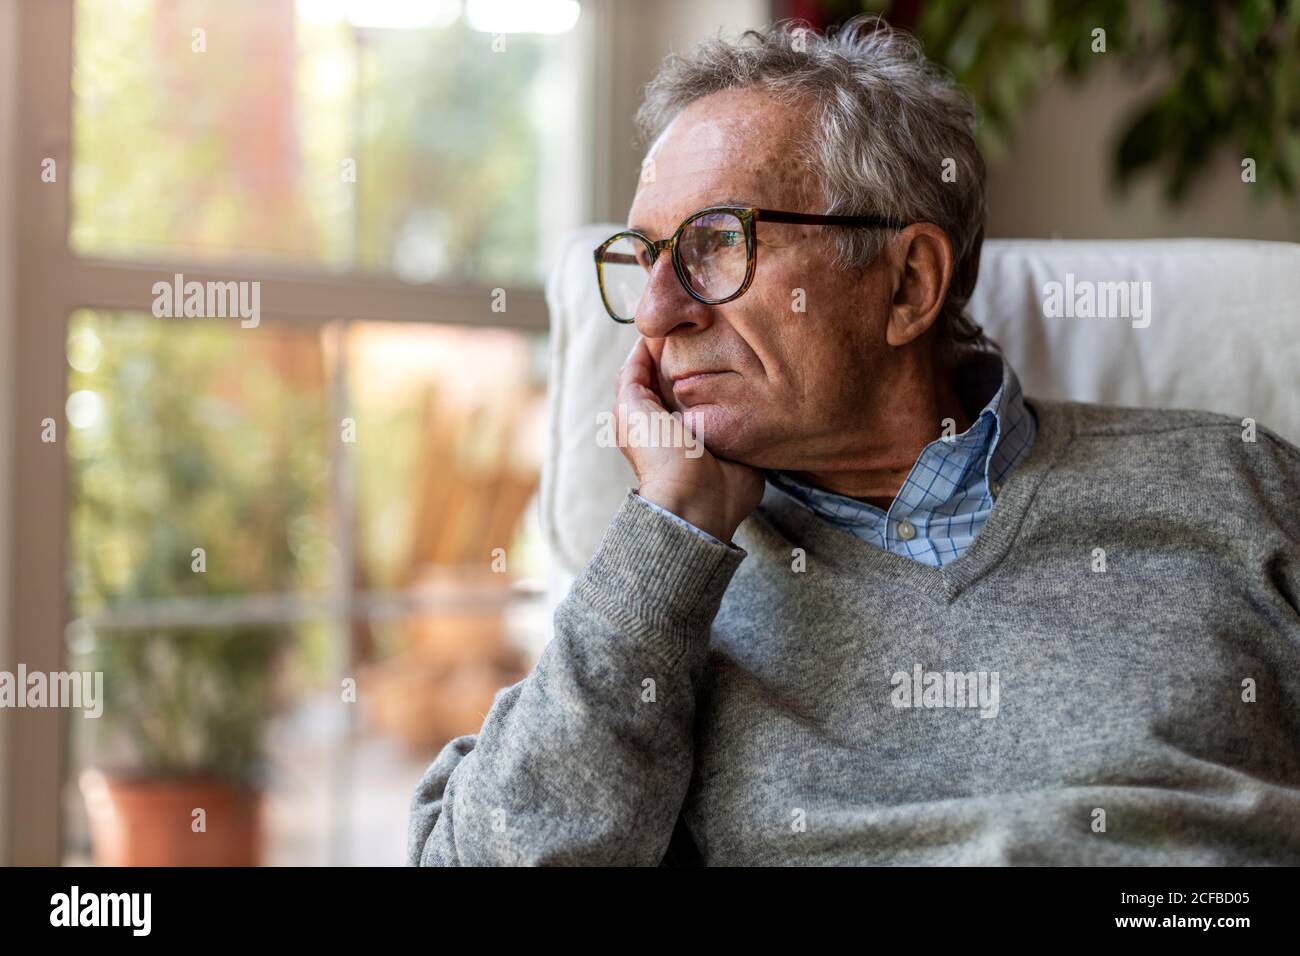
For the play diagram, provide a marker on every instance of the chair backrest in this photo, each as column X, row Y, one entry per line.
column 1193, row 323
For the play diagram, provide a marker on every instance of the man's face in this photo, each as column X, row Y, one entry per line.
column 766, row 384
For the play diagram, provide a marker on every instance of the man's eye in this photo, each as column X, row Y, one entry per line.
column 728, row 237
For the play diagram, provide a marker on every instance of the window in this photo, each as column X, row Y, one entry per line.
column 300, row 549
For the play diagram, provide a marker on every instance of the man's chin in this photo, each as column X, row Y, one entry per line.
column 724, row 431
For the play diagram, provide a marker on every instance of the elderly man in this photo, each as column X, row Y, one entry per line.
column 898, row 612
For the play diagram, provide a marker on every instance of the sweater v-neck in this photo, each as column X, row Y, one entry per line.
column 850, row 555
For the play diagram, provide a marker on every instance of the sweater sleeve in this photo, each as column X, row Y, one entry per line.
column 588, row 759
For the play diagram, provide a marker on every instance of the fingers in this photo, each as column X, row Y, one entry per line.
column 636, row 379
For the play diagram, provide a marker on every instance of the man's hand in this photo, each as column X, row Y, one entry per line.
column 711, row 493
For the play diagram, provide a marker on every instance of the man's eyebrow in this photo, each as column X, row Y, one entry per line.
column 724, row 201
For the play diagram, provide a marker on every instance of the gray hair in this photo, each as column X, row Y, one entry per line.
column 886, row 124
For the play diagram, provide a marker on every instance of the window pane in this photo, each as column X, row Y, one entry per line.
column 385, row 136
column 450, row 432
column 432, row 676
column 449, row 444
column 199, row 434
column 198, row 460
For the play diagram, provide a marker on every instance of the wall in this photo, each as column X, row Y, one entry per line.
column 1053, row 181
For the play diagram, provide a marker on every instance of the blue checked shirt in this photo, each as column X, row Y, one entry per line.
column 948, row 494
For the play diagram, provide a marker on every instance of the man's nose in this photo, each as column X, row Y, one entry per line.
column 666, row 307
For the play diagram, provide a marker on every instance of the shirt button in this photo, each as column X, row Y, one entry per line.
column 906, row 530
column 994, row 488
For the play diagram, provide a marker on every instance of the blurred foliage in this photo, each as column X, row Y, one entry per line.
column 241, row 149
column 184, row 437
column 1226, row 74
column 192, row 701
column 451, row 167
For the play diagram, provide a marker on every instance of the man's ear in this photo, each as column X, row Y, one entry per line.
column 923, row 270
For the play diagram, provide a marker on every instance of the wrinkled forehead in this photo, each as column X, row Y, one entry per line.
column 737, row 146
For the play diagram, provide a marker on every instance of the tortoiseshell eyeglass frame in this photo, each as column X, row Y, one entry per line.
column 748, row 216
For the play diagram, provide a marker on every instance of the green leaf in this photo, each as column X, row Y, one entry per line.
column 1253, row 18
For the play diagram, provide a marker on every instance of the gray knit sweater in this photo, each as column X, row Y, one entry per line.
column 1110, row 675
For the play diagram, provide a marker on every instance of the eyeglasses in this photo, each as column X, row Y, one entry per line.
column 713, row 253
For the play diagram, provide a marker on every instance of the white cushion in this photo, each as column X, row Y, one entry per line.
column 1224, row 335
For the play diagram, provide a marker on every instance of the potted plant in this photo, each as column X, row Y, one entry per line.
column 180, row 769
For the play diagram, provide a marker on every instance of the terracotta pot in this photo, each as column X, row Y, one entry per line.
column 150, row 821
